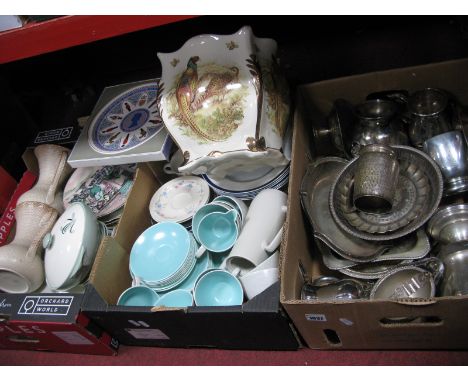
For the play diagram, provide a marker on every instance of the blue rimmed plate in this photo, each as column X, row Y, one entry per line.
column 127, row 121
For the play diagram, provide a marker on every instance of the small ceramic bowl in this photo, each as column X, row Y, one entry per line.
column 218, row 288
column 138, row 296
column 256, row 281
column 178, row 298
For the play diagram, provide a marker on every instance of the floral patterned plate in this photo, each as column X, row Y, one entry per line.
column 179, row 199
column 103, row 189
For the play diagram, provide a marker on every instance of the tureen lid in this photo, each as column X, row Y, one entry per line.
column 66, row 244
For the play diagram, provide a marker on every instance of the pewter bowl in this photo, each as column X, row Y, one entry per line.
column 450, row 224
column 423, row 184
column 315, row 188
column 404, row 282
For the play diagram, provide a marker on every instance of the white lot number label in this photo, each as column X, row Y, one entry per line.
column 73, row 338
column 316, row 317
column 147, row 334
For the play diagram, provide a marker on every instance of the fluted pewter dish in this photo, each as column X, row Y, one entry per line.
column 449, row 224
column 314, row 192
column 409, row 248
column 402, row 283
column 416, row 199
column 373, row 271
column 376, row 270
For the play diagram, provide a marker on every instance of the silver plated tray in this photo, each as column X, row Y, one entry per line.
column 314, row 192
column 417, row 198
column 373, row 270
column 412, row 247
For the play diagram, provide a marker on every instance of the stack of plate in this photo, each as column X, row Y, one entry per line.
column 163, row 256
column 247, row 188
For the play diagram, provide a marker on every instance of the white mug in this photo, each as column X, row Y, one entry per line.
column 261, row 233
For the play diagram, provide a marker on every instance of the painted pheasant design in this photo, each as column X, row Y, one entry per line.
column 192, row 93
column 216, row 86
column 185, row 95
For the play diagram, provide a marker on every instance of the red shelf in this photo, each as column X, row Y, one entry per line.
column 67, row 31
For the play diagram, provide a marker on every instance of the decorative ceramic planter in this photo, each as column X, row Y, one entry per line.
column 223, row 98
column 21, row 265
column 53, row 171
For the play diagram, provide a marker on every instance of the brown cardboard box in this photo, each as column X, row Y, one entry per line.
column 362, row 324
column 259, row 323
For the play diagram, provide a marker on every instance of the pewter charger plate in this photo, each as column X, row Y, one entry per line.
column 315, row 189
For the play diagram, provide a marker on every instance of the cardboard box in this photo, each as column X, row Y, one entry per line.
column 362, row 324
column 51, row 321
column 258, row 324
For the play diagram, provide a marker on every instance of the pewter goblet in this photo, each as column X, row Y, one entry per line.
column 450, row 153
column 375, row 179
column 450, row 224
column 455, row 259
column 429, row 115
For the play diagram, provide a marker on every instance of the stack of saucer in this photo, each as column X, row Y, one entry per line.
column 163, row 256
column 178, row 200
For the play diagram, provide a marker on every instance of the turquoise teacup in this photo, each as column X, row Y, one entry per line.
column 218, row 231
column 218, row 288
column 201, row 213
column 179, row 298
column 138, row 296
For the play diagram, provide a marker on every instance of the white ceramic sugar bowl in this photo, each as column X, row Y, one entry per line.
column 71, row 247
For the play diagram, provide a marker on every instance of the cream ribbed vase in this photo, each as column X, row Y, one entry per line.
column 53, row 171
column 21, row 265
